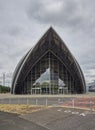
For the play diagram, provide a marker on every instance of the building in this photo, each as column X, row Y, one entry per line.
column 91, row 87
column 48, row 68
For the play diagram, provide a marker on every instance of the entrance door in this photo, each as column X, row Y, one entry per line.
column 61, row 91
column 36, row 91
column 45, row 90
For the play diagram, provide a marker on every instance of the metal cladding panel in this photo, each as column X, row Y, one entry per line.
column 49, row 42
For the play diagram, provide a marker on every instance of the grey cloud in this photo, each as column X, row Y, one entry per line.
column 14, row 31
column 70, row 14
column 22, row 21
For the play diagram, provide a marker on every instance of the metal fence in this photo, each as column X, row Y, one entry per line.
column 87, row 103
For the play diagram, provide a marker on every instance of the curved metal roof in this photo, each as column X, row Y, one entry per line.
column 48, row 42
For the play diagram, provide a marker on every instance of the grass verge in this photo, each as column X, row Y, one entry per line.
column 20, row 109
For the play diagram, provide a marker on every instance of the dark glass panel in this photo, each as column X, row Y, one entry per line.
column 49, row 75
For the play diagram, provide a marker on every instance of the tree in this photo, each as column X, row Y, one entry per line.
column 4, row 89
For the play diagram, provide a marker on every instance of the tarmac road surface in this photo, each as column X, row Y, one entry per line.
column 49, row 119
column 63, row 119
column 10, row 121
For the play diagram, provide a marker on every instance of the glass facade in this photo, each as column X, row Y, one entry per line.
column 48, row 76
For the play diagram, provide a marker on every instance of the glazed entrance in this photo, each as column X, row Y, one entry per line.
column 49, row 76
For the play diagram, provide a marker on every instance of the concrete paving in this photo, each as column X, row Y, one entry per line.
column 14, row 122
column 49, row 119
column 61, row 119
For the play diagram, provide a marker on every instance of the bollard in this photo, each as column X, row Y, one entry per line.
column 91, row 105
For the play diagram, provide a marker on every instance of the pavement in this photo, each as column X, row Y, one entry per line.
column 10, row 121
column 9, row 95
column 55, row 118
column 63, row 119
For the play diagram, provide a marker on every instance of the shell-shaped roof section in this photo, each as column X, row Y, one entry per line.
column 23, row 60
column 46, row 43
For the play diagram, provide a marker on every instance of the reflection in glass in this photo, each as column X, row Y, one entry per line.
column 48, row 76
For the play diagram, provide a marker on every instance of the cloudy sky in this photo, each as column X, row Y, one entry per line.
column 23, row 22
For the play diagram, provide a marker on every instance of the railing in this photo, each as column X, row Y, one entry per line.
column 85, row 103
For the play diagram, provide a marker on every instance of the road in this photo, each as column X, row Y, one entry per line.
column 54, row 118
column 63, row 119
column 14, row 122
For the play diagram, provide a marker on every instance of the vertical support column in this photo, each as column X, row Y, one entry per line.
column 40, row 78
column 34, row 81
column 31, row 83
column 67, row 81
column 23, row 87
column 75, row 87
column 70, row 84
column 26, row 85
column 64, row 77
column 57, row 75
column 50, row 75
column 45, row 66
